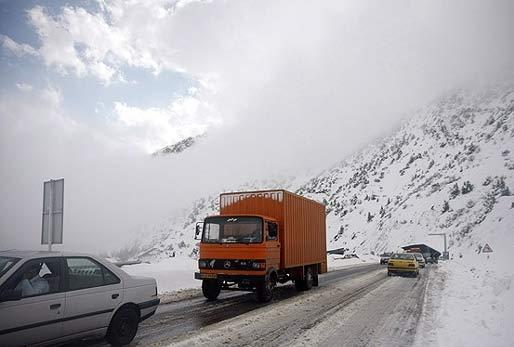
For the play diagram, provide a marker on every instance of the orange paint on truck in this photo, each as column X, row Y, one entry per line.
column 234, row 256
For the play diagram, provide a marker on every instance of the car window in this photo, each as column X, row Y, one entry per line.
column 87, row 273
column 404, row 256
column 6, row 263
column 37, row 277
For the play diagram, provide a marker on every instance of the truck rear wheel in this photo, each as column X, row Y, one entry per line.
column 307, row 282
column 211, row 288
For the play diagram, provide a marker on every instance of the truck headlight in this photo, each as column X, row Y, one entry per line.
column 258, row 265
column 202, row 263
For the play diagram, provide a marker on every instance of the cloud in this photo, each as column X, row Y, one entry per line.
column 294, row 85
column 16, row 48
column 58, row 46
column 153, row 128
column 24, row 87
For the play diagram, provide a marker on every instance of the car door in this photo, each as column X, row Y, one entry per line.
column 93, row 293
column 37, row 316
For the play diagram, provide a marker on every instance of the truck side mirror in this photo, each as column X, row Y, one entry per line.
column 198, row 232
column 10, row 295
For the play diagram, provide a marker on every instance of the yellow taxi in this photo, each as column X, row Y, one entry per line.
column 403, row 263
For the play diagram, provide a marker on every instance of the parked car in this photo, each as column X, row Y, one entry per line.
column 384, row 258
column 403, row 263
column 420, row 259
column 431, row 260
column 52, row 297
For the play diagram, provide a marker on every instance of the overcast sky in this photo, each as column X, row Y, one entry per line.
column 90, row 88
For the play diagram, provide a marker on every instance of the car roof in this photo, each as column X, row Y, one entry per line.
column 28, row 254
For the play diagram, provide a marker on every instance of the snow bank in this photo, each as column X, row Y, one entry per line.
column 470, row 299
column 171, row 274
column 336, row 261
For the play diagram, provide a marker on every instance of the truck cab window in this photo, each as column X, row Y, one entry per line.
column 272, row 231
column 211, row 232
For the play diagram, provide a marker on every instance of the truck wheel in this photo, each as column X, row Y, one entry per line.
column 307, row 282
column 309, row 278
column 211, row 288
column 123, row 327
column 265, row 290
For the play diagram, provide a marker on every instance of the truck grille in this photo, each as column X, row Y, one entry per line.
column 229, row 264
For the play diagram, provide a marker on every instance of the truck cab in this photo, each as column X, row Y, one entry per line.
column 238, row 251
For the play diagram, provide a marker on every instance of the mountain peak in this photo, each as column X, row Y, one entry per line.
column 178, row 147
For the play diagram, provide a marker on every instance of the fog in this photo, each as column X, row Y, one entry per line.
column 298, row 86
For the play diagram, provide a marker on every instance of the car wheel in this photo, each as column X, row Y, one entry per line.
column 389, row 273
column 211, row 288
column 123, row 327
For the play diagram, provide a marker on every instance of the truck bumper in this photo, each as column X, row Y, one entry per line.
column 227, row 277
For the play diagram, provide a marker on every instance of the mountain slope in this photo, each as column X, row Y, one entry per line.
column 178, row 147
column 445, row 170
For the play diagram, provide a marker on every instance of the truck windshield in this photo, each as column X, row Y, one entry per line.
column 232, row 230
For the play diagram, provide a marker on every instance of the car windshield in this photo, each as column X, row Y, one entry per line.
column 6, row 263
column 385, row 255
column 419, row 257
column 404, row 256
column 232, row 230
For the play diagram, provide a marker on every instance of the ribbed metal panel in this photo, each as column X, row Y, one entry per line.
column 302, row 230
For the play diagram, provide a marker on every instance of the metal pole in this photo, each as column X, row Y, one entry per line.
column 445, row 250
column 50, row 216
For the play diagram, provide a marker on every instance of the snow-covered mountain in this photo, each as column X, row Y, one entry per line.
column 178, row 147
column 445, row 170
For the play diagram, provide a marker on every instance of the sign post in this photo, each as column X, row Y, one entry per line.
column 53, row 212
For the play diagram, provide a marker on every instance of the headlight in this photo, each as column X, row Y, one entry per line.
column 257, row 265
column 202, row 263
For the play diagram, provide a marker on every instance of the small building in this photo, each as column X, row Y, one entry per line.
column 430, row 254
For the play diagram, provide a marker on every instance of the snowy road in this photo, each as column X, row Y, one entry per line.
column 359, row 305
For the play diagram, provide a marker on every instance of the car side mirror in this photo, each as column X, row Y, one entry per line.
column 10, row 295
column 198, row 230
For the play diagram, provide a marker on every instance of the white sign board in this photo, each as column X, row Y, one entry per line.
column 487, row 249
column 53, row 212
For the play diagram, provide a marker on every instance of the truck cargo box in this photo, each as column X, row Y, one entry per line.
column 302, row 229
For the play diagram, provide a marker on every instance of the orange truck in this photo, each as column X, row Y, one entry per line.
column 259, row 239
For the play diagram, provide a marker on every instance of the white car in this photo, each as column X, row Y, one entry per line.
column 51, row 297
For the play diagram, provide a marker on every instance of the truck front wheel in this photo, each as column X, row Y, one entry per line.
column 211, row 288
column 265, row 289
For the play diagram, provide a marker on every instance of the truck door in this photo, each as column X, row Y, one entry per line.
column 272, row 244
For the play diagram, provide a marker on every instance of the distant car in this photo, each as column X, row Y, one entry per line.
column 420, row 259
column 52, row 297
column 431, row 260
column 384, row 258
column 403, row 263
